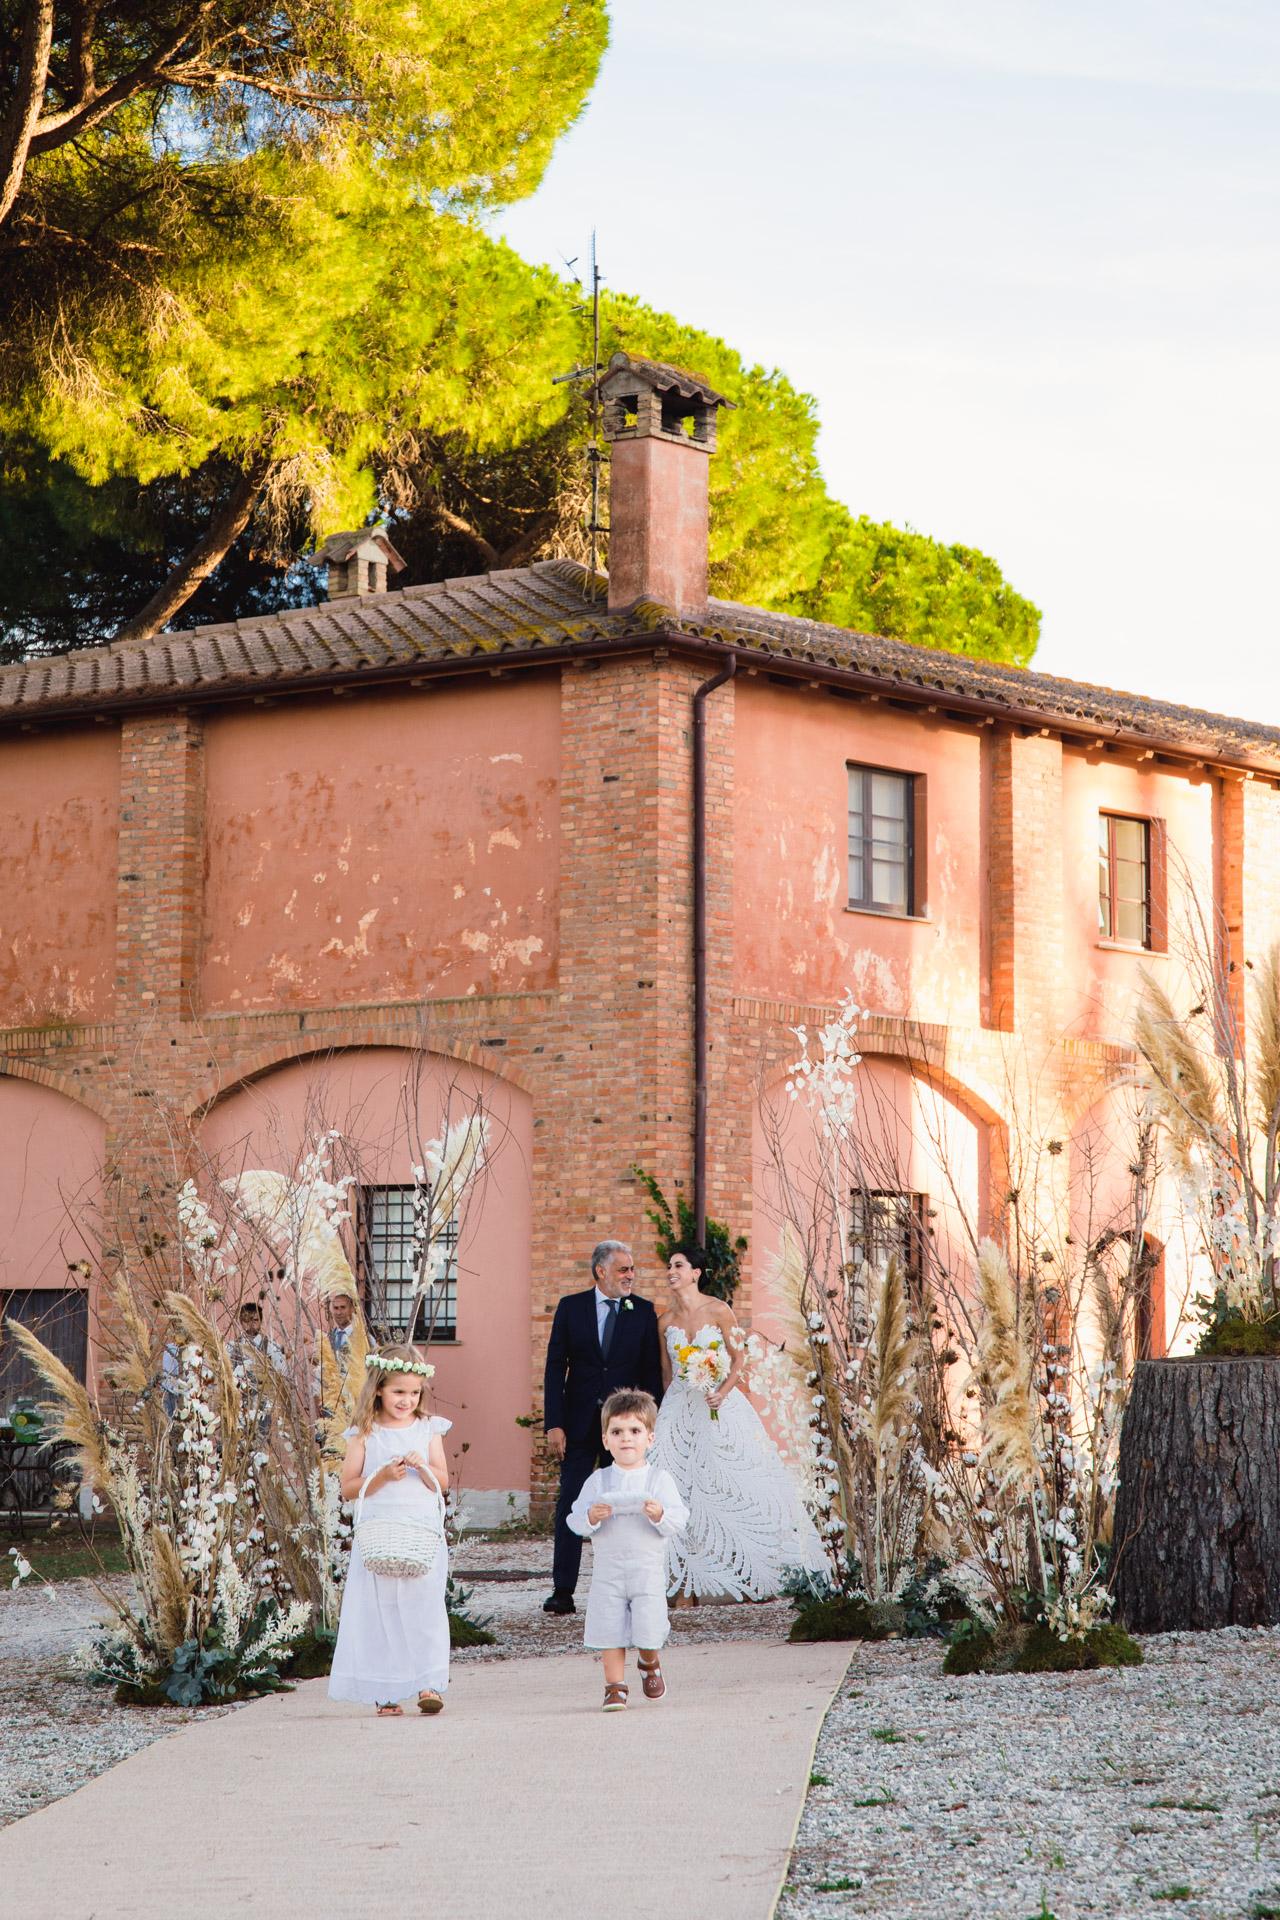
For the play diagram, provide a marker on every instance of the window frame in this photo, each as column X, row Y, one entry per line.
column 372, row 1283
column 1110, row 901
column 911, row 783
column 910, row 1231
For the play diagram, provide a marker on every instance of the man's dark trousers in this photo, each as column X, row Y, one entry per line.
column 578, row 1381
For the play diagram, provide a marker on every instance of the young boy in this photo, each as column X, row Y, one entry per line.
column 628, row 1509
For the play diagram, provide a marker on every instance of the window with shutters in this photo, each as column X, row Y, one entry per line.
column 882, row 840
column 1124, row 879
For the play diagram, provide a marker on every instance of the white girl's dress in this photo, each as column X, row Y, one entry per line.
column 393, row 1635
column 747, row 1522
column 627, row 1604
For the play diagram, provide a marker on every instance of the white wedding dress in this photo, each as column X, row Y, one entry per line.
column 747, row 1524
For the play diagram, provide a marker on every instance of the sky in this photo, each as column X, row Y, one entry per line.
column 1026, row 256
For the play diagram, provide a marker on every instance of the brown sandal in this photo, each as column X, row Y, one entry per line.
column 652, row 1682
column 391, row 1711
column 615, row 1697
column 429, row 1701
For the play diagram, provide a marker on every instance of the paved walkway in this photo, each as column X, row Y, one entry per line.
column 522, row 1801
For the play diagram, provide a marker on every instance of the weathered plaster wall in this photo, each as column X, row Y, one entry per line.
column 1099, row 984
column 482, row 1378
column 794, row 935
column 382, row 846
column 913, row 1138
column 59, row 832
column 51, row 1152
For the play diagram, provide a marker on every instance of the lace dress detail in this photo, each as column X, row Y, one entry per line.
column 747, row 1524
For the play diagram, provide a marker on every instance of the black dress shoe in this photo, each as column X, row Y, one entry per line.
column 561, row 1601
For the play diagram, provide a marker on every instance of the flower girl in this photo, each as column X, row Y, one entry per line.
column 393, row 1633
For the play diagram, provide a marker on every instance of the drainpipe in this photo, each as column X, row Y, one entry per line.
column 700, row 940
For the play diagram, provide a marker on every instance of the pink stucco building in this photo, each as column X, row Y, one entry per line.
column 457, row 834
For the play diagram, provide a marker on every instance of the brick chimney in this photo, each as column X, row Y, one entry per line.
column 661, row 425
column 358, row 562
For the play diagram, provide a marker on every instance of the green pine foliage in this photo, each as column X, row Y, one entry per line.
column 217, row 279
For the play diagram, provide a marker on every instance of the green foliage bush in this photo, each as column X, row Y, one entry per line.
column 724, row 1255
column 1031, row 1647
column 845, row 1618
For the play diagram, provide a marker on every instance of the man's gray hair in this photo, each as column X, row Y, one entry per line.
column 604, row 1251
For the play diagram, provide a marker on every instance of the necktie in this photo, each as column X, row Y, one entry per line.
column 610, row 1322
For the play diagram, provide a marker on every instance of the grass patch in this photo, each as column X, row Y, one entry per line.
column 844, row 1885
column 1018, row 1648
column 1266, row 1906
column 889, row 1736
column 1180, row 1892
column 819, row 1780
column 68, row 1556
column 880, row 1798
column 1188, row 1806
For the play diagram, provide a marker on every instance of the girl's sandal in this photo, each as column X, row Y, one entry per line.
column 652, row 1682
column 615, row 1698
column 429, row 1701
column 391, row 1711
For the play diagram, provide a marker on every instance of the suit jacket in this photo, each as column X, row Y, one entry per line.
column 578, row 1381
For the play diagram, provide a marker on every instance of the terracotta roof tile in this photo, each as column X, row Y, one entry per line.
column 545, row 606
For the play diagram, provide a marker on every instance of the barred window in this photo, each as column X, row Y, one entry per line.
column 881, row 840
column 882, row 1223
column 1124, row 879
column 387, row 1268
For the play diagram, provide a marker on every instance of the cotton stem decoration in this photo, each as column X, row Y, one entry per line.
column 451, row 1166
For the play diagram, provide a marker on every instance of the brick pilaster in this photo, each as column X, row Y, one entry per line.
column 1026, row 884
column 160, row 879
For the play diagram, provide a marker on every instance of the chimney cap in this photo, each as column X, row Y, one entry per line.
column 366, row 543
column 648, row 400
column 663, row 377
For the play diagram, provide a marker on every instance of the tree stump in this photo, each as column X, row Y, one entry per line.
column 1197, row 1528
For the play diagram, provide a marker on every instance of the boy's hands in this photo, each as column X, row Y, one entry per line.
column 601, row 1511
column 653, row 1508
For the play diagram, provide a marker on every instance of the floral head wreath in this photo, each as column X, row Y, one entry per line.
column 399, row 1366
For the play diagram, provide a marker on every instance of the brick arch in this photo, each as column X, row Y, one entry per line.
column 56, row 1082
column 257, row 1066
column 978, row 1105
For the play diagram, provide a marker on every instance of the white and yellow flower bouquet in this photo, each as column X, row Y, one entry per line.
column 703, row 1362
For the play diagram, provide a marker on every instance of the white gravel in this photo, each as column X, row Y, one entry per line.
column 56, row 1732
column 1150, row 1791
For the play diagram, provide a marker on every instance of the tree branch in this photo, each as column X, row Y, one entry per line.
column 457, row 524
column 28, row 96
column 202, row 559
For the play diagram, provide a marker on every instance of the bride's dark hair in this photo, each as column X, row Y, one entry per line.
column 695, row 1255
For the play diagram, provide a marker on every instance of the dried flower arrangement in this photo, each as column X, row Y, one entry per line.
column 218, row 1449
column 964, row 1428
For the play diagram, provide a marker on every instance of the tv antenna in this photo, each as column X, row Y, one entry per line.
column 591, row 374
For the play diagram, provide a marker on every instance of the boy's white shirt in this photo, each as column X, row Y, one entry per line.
column 655, row 1483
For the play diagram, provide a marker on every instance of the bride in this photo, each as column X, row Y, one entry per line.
column 747, row 1524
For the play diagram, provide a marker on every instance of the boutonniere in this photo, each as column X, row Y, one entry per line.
column 627, row 1303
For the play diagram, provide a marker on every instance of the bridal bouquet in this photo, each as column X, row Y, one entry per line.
column 704, row 1363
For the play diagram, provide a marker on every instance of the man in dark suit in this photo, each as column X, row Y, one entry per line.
column 600, row 1340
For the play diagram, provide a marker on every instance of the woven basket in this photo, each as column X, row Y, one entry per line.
column 398, row 1548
